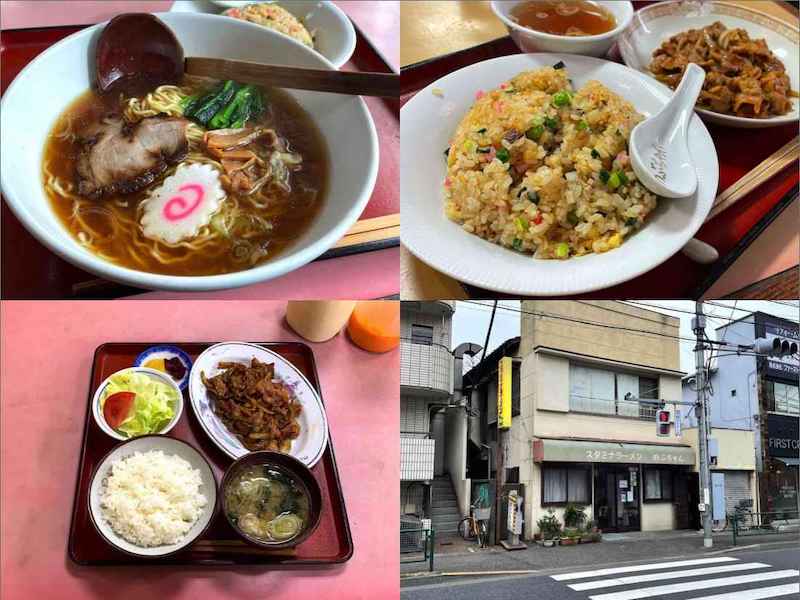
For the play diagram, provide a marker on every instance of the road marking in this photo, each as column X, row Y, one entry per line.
column 592, row 585
column 759, row 594
column 647, row 567
column 676, row 588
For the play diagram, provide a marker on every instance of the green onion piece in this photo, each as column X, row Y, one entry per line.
column 558, row 65
column 469, row 146
column 481, row 130
column 631, row 221
column 623, row 179
column 562, row 250
column 595, row 153
column 533, row 196
column 517, row 244
column 582, row 125
column 521, row 191
column 550, row 123
column 613, row 181
column 604, row 175
column 535, row 132
column 562, row 98
column 502, row 155
column 572, row 218
column 521, row 223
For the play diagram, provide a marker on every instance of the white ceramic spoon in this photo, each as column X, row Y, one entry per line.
column 660, row 156
column 659, row 149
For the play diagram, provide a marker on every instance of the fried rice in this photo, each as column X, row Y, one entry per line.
column 543, row 169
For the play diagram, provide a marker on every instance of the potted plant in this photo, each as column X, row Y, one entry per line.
column 570, row 537
column 574, row 516
column 587, row 537
column 549, row 528
column 594, row 531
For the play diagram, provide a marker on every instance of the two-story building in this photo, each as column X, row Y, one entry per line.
column 577, row 433
column 754, row 411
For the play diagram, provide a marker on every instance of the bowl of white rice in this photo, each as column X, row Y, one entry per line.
column 152, row 496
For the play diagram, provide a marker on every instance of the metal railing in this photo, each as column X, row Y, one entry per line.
column 425, row 542
column 746, row 523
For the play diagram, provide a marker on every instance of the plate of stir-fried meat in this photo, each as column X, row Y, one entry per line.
column 249, row 398
column 751, row 59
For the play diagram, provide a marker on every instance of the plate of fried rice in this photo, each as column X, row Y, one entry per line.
column 515, row 176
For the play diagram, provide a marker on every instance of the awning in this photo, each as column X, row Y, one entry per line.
column 549, row 450
column 789, row 462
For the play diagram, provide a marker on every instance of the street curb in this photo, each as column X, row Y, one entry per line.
column 516, row 573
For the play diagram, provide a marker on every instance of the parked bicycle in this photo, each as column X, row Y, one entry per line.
column 476, row 525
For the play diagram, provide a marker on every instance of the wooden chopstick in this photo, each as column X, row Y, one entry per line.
column 774, row 163
column 371, row 230
column 298, row 78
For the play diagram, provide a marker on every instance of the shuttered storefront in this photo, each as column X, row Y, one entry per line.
column 737, row 488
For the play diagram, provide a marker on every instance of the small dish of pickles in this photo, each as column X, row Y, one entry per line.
column 271, row 499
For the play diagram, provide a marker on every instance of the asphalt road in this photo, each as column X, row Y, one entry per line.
column 757, row 574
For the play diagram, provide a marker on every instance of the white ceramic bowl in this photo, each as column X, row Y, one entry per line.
column 169, row 446
column 158, row 375
column 654, row 24
column 530, row 40
column 428, row 122
column 334, row 35
column 64, row 70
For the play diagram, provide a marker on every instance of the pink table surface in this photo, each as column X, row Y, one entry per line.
column 46, row 364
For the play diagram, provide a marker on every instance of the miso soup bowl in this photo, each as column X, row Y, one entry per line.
column 44, row 89
column 292, row 467
column 530, row 40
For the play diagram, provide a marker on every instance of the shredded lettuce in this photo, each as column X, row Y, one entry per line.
column 153, row 406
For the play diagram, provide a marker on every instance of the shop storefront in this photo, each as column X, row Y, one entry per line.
column 624, row 486
column 781, row 476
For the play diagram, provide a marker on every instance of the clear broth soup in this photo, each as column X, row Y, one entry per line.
column 564, row 17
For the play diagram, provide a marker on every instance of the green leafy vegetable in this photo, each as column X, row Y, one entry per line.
column 237, row 109
column 595, row 153
column 551, row 123
column 502, row 155
column 211, row 103
column 153, row 407
column 517, row 244
column 604, row 175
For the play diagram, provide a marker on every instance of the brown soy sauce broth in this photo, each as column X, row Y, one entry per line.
column 298, row 208
column 564, row 17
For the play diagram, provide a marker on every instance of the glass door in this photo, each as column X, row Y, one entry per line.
column 617, row 498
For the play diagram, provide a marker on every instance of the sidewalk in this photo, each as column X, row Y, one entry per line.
column 465, row 557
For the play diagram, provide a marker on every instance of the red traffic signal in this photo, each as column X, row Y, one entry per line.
column 663, row 424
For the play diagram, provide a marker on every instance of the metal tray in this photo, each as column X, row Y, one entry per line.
column 330, row 544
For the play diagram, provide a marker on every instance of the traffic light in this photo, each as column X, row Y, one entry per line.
column 778, row 347
column 662, row 423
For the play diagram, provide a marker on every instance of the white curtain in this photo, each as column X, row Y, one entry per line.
column 627, row 384
column 652, row 484
column 580, row 388
column 578, row 486
column 555, row 485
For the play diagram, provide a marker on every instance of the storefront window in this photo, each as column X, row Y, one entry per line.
column 782, row 484
column 657, row 484
column 566, row 483
column 782, row 397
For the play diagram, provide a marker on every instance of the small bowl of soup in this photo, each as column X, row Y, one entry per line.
column 585, row 27
column 271, row 499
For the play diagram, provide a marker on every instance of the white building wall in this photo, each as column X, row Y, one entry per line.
column 456, row 456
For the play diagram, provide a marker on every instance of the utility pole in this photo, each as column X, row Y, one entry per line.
column 699, row 327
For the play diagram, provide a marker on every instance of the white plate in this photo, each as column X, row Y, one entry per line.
column 654, row 24
column 334, row 35
column 427, row 123
column 313, row 438
column 169, row 446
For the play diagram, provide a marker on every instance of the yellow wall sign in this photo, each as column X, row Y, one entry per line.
column 504, row 393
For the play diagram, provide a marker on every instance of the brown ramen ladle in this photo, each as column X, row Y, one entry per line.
column 137, row 52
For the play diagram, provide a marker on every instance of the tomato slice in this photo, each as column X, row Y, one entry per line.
column 117, row 408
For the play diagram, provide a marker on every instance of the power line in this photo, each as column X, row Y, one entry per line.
column 687, row 312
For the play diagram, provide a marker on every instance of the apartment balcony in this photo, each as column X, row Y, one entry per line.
column 433, row 307
column 426, row 369
column 416, row 457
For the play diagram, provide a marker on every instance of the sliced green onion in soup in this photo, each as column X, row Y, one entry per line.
column 284, row 527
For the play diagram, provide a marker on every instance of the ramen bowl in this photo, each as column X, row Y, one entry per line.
column 66, row 71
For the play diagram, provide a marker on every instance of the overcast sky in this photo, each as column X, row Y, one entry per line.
column 471, row 320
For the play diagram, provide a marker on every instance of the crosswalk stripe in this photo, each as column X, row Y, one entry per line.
column 689, row 586
column 647, row 567
column 757, row 594
column 592, row 585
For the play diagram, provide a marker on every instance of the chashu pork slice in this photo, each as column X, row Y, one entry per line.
column 121, row 158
